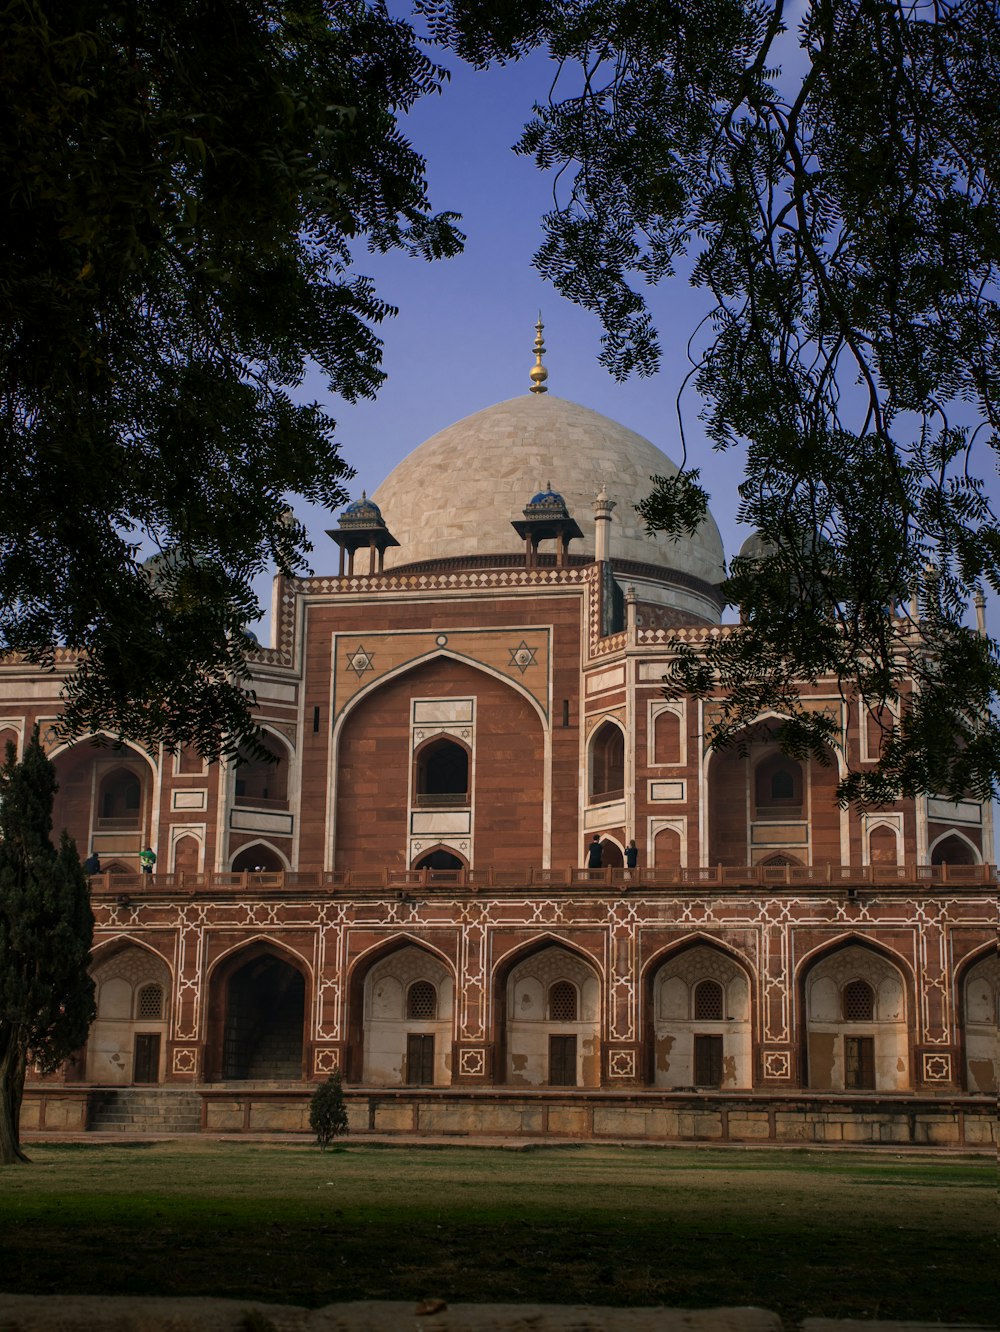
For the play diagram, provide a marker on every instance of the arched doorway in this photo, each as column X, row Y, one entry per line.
column 439, row 859
column 408, row 1005
column 127, row 1040
column 701, row 1025
column 954, row 850
column 551, row 1021
column 607, row 763
column 258, row 999
column 264, row 859
column 856, row 1030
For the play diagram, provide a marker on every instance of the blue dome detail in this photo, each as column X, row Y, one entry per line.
column 362, row 512
column 547, row 499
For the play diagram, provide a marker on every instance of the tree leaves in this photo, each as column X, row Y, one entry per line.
column 833, row 192
column 182, row 193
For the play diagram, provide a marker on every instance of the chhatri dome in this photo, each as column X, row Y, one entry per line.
column 457, row 494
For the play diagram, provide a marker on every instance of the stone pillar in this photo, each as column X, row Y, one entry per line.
column 602, row 520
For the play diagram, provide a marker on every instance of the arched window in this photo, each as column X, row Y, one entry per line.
column 708, row 1004
column 421, row 1001
column 261, row 784
column 119, row 799
column 859, row 1002
column 778, row 785
column 562, row 1002
column 149, row 1003
column 442, row 774
column 607, row 763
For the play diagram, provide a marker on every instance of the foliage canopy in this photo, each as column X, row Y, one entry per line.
column 832, row 190
column 184, row 190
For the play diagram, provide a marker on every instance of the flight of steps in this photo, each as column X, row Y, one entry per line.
column 145, row 1110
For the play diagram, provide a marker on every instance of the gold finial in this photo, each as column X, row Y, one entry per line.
column 538, row 372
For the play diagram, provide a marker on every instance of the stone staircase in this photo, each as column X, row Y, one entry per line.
column 144, row 1110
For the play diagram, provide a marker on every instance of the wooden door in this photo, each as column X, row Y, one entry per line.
column 859, row 1063
column 562, row 1061
column 146, row 1061
column 708, row 1061
column 419, row 1061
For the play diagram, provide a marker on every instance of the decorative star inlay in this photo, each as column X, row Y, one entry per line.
column 360, row 660
column 522, row 656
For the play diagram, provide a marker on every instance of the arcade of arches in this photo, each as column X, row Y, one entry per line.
column 701, row 1031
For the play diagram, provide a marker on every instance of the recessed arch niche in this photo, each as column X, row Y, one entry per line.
column 545, row 1043
column 857, row 1038
column 408, row 1006
column 701, row 1020
column 374, row 770
column 127, row 1039
column 980, row 1008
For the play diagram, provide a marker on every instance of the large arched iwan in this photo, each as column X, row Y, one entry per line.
column 506, row 774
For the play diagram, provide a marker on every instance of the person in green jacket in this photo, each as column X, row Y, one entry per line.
column 147, row 859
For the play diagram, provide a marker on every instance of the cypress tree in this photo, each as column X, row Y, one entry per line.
column 46, row 930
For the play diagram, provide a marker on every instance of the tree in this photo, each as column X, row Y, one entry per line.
column 46, row 929
column 834, row 193
column 327, row 1111
column 185, row 191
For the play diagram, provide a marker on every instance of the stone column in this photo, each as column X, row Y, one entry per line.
column 602, row 520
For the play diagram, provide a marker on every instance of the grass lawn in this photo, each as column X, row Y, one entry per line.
column 858, row 1235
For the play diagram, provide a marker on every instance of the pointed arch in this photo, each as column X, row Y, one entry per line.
column 522, row 1045
column 375, row 817
column 675, row 1039
column 440, row 849
column 961, row 841
column 839, row 1048
column 243, row 857
column 91, row 806
column 258, row 784
column 126, row 1042
column 978, row 1023
column 606, row 746
column 413, row 664
column 359, row 971
column 246, row 1017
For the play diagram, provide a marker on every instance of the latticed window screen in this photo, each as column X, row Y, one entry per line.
column 421, row 1000
column 859, row 1002
column 150, row 1004
column 708, row 1006
column 562, row 1002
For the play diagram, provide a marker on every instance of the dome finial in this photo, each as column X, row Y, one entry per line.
column 538, row 372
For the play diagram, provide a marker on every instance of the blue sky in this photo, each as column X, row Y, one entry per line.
column 463, row 337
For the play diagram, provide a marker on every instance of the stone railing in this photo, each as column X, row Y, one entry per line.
column 699, row 879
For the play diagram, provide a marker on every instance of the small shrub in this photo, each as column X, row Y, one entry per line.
column 327, row 1111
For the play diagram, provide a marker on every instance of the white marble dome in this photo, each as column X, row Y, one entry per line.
column 457, row 493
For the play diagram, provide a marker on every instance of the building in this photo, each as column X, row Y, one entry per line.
column 454, row 714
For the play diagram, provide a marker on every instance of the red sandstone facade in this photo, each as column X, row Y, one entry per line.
column 399, row 895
